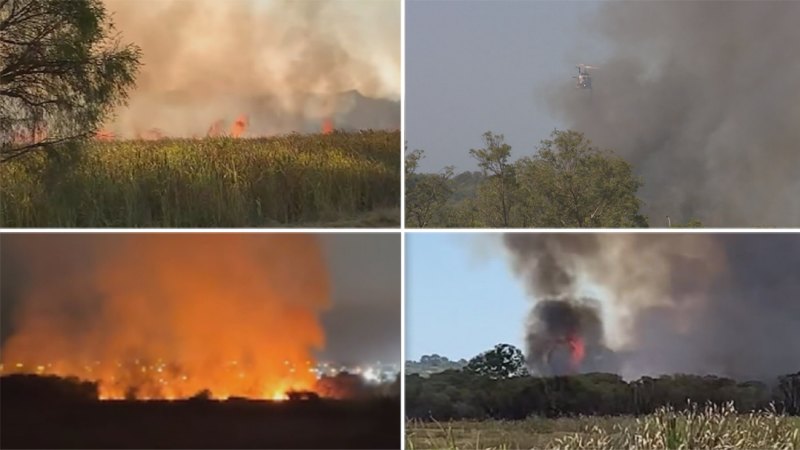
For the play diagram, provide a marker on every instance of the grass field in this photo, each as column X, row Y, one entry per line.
column 708, row 428
column 334, row 180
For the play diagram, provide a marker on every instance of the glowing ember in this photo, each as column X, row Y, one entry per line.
column 170, row 316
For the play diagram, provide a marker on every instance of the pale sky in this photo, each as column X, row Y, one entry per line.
column 461, row 295
column 481, row 65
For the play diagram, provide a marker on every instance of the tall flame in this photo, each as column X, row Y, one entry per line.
column 239, row 126
column 577, row 350
column 327, row 126
column 168, row 315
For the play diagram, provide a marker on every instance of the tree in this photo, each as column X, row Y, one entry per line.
column 570, row 183
column 425, row 193
column 503, row 361
column 788, row 391
column 62, row 72
column 494, row 160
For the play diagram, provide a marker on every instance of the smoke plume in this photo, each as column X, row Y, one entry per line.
column 702, row 98
column 723, row 304
column 282, row 65
column 169, row 315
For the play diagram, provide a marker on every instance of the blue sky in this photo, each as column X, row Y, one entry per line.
column 482, row 65
column 461, row 296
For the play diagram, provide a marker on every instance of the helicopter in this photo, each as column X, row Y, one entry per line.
column 584, row 79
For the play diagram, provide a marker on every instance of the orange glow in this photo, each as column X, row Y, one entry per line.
column 239, row 126
column 577, row 351
column 327, row 126
column 105, row 135
column 171, row 315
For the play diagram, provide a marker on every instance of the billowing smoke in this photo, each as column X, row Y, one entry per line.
column 702, row 98
column 281, row 65
column 565, row 332
column 169, row 315
column 723, row 304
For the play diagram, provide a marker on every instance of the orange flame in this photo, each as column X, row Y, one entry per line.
column 172, row 315
column 239, row 126
column 327, row 126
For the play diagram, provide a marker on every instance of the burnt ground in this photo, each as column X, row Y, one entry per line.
column 40, row 422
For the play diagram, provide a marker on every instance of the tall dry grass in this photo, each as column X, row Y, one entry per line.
column 710, row 427
column 219, row 182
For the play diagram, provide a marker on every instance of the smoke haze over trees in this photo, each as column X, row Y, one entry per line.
column 701, row 98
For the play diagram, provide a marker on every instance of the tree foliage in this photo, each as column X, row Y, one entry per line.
column 425, row 193
column 63, row 70
column 503, row 361
column 567, row 183
column 484, row 391
column 494, row 160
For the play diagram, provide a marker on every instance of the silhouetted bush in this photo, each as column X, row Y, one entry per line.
column 51, row 388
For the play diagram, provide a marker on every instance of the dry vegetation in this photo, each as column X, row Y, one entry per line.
column 697, row 428
column 339, row 179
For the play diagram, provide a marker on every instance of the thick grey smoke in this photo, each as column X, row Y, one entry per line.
column 703, row 99
column 726, row 304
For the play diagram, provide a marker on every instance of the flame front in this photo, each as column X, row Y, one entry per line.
column 168, row 316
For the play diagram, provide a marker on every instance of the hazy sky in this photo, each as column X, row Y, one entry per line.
column 365, row 269
column 362, row 325
column 461, row 295
column 478, row 66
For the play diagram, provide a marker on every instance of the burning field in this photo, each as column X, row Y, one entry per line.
column 168, row 316
column 243, row 113
column 114, row 330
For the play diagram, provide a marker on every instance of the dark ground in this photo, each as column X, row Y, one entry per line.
column 39, row 422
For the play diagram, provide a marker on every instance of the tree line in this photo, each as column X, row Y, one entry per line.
column 567, row 183
column 496, row 385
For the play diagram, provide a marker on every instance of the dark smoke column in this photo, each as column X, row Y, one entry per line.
column 564, row 333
